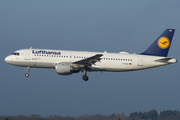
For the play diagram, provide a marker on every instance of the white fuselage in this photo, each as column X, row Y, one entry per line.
column 115, row 62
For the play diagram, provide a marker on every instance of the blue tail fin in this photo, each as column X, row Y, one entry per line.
column 161, row 45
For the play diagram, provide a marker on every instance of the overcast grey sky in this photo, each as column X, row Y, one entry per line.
column 87, row 25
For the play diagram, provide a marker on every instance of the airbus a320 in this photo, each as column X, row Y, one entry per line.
column 69, row 62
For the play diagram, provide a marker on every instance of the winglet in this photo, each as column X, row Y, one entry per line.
column 161, row 45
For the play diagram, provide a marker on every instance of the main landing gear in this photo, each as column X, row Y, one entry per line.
column 85, row 77
column 27, row 74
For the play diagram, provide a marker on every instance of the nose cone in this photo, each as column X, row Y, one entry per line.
column 8, row 59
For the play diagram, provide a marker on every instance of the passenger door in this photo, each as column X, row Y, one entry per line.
column 27, row 54
column 140, row 61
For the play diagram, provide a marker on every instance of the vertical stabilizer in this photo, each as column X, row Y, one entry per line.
column 161, row 45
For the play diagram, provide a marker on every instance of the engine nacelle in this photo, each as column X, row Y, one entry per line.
column 65, row 69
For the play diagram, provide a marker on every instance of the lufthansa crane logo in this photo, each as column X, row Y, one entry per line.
column 163, row 42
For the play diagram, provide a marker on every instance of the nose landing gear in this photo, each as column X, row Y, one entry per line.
column 27, row 74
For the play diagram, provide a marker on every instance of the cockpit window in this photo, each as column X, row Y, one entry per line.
column 16, row 53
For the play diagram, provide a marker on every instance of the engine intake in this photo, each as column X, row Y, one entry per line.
column 65, row 69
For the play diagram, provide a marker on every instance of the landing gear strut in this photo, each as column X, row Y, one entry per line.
column 27, row 74
column 85, row 77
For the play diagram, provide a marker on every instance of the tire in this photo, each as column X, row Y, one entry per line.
column 27, row 75
column 85, row 77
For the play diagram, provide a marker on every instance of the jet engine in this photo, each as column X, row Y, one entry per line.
column 65, row 69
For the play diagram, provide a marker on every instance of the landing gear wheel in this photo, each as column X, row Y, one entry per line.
column 85, row 77
column 27, row 75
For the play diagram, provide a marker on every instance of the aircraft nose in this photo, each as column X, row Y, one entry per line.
column 7, row 59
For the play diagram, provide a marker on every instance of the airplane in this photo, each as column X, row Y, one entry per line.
column 69, row 62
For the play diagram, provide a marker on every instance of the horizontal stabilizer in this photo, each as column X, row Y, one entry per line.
column 164, row 59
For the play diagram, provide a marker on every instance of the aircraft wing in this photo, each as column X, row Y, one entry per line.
column 89, row 61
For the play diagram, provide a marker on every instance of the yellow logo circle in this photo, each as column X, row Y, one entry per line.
column 163, row 42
